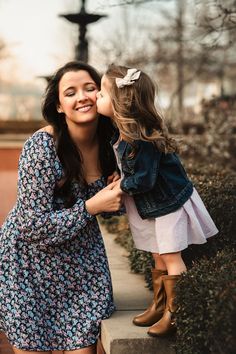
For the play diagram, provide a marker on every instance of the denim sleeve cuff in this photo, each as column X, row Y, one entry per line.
column 125, row 188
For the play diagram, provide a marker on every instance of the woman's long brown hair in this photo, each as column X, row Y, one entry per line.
column 67, row 152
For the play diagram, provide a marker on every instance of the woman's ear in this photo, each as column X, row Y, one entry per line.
column 59, row 110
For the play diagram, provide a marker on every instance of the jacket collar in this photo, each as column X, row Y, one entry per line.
column 115, row 137
column 122, row 144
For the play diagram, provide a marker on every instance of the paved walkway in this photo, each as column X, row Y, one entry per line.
column 118, row 334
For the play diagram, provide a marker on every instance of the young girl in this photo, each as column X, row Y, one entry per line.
column 164, row 210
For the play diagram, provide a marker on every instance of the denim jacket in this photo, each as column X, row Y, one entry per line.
column 157, row 181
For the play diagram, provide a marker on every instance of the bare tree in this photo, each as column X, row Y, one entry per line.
column 125, row 43
column 217, row 17
column 183, row 50
column 216, row 27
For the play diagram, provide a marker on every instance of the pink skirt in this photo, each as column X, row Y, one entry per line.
column 191, row 224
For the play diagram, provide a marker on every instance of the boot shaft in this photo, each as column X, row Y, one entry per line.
column 157, row 280
column 156, row 309
column 169, row 282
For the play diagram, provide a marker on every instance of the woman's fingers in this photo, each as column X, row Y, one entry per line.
column 107, row 199
column 110, row 186
column 117, row 184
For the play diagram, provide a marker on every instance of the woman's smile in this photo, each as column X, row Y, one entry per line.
column 84, row 108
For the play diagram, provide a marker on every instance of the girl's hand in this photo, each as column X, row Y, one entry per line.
column 109, row 199
column 113, row 178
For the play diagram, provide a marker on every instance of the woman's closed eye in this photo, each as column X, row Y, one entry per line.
column 91, row 88
column 69, row 94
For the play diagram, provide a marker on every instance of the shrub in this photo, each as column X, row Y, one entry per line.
column 111, row 223
column 142, row 262
column 212, row 137
column 206, row 317
column 217, row 188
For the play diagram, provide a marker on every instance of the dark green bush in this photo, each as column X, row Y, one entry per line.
column 217, row 188
column 207, row 292
column 142, row 262
column 206, row 318
column 111, row 224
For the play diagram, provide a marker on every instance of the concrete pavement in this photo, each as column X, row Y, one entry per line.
column 118, row 334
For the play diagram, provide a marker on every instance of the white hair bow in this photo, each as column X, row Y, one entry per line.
column 131, row 76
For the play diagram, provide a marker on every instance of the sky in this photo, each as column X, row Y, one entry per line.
column 39, row 41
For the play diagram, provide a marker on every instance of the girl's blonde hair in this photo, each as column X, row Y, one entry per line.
column 134, row 110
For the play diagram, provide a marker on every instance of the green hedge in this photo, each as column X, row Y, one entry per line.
column 206, row 318
column 207, row 292
column 217, row 188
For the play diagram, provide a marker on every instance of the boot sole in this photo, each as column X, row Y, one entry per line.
column 149, row 324
column 170, row 333
column 143, row 325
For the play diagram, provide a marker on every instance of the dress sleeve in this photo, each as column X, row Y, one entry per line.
column 38, row 174
column 145, row 169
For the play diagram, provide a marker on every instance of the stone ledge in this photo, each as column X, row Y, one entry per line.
column 120, row 336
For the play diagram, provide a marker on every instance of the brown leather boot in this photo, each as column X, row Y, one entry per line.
column 166, row 325
column 155, row 311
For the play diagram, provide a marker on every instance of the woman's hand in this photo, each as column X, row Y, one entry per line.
column 113, row 177
column 109, row 199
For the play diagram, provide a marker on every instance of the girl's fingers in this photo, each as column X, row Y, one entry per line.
column 116, row 178
column 110, row 179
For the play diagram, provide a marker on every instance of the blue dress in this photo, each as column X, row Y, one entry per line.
column 55, row 285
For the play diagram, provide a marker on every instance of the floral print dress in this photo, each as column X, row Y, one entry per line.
column 55, row 285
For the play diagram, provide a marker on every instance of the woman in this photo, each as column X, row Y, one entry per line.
column 55, row 283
